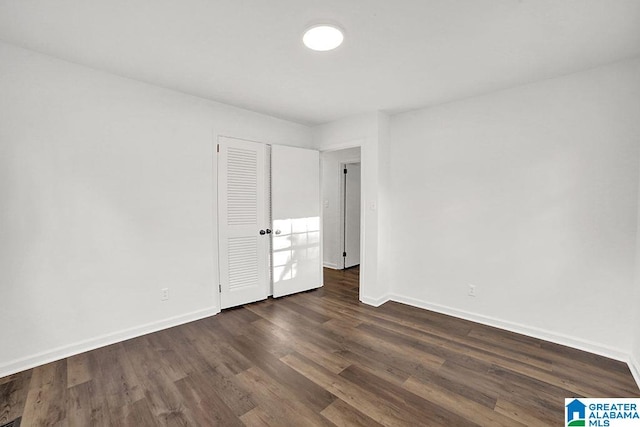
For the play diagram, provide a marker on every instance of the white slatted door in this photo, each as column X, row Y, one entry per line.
column 242, row 214
column 295, row 209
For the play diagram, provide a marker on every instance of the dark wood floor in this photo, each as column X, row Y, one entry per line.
column 316, row 358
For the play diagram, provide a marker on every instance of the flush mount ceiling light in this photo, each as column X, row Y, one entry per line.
column 323, row 37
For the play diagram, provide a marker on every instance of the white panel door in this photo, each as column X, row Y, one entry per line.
column 295, row 208
column 351, row 248
column 242, row 218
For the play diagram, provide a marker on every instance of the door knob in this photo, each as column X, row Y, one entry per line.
column 277, row 232
column 262, row 232
column 268, row 231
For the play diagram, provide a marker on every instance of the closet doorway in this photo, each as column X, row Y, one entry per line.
column 268, row 220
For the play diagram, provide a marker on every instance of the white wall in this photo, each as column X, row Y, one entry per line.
column 331, row 222
column 634, row 356
column 107, row 195
column 531, row 195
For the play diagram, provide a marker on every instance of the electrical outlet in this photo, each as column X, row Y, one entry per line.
column 164, row 294
column 472, row 290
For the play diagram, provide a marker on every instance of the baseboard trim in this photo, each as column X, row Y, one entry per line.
column 634, row 367
column 542, row 334
column 375, row 302
column 101, row 341
column 330, row 265
column 29, row 362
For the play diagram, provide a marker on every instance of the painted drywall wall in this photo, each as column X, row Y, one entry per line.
column 369, row 132
column 331, row 222
column 634, row 356
column 531, row 195
column 107, row 195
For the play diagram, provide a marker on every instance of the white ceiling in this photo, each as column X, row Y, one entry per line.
column 397, row 56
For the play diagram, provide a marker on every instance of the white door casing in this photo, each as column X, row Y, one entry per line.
column 295, row 204
column 242, row 214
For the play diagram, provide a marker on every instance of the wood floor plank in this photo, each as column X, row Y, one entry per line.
column 13, row 396
column 521, row 366
column 528, row 415
column 343, row 415
column 410, row 348
column 210, row 346
column 326, row 358
column 206, row 405
column 135, row 415
column 304, row 311
column 445, row 346
column 473, row 378
column 411, row 403
column 298, row 385
column 78, row 369
column 115, row 376
column 270, row 339
column 393, row 374
column 455, row 403
column 85, row 406
column 228, row 388
column 157, row 382
column 406, row 358
column 187, row 353
column 257, row 417
column 318, row 358
column 281, row 403
column 604, row 381
column 45, row 402
column 361, row 398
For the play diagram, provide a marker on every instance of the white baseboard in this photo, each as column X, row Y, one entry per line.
column 634, row 367
column 542, row 334
column 330, row 265
column 108, row 339
column 376, row 302
column 101, row 341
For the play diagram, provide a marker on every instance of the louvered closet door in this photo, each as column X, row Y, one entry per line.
column 242, row 214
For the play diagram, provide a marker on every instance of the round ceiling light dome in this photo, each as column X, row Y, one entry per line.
column 323, row 37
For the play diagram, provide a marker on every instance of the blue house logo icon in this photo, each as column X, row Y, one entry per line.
column 576, row 413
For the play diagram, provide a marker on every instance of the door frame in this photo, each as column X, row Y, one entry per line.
column 216, row 218
column 355, row 143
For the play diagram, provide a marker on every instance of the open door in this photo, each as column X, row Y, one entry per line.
column 243, row 242
column 295, row 208
column 351, row 215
